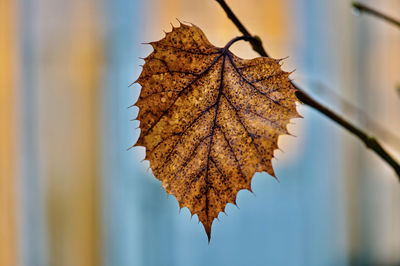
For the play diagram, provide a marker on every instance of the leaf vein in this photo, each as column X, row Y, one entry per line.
column 182, row 91
column 252, row 85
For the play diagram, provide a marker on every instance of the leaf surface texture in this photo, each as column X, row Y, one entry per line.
column 210, row 120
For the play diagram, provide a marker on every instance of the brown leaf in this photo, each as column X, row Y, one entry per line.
column 210, row 120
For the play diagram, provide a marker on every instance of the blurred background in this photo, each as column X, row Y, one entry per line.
column 72, row 195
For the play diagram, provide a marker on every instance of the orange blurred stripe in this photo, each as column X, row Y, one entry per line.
column 7, row 139
column 69, row 114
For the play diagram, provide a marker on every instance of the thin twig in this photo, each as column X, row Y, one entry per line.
column 362, row 117
column 369, row 141
column 363, row 8
column 255, row 41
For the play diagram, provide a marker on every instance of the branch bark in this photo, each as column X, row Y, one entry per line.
column 370, row 141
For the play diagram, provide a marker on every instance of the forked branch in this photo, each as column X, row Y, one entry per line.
column 370, row 141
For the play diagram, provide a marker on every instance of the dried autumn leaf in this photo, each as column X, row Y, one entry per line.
column 210, row 120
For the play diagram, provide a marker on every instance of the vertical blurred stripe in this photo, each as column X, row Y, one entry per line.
column 378, row 60
column 123, row 179
column 70, row 62
column 31, row 213
column 7, row 135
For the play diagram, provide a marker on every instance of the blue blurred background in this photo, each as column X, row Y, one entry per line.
column 71, row 194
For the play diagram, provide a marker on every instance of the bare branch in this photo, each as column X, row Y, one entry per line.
column 363, row 8
column 370, row 141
